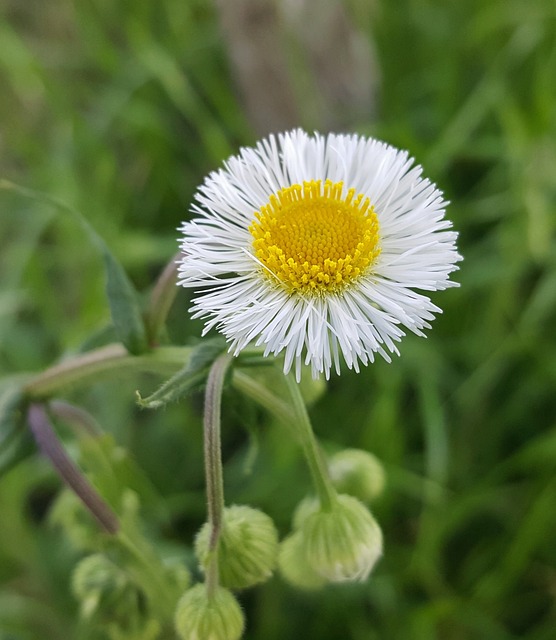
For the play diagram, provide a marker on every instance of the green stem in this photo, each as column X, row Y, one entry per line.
column 259, row 393
column 48, row 443
column 213, row 465
column 80, row 420
column 161, row 300
column 149, row 572
column 323, row 485
column 96, row 365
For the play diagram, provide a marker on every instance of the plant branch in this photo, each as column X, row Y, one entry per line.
column 93, row 365
column 51, row 447
column 259, row 393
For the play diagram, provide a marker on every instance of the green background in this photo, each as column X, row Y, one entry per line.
column 119, row 108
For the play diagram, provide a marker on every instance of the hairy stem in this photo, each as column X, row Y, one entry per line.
column 213, row 465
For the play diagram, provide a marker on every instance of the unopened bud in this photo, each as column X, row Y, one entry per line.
column 357, row 473
column 104, row 589
column 203, row 617
column 342, row 544
column 177, row 576
column 293, row 564
column 248, row 547
column 308, row 506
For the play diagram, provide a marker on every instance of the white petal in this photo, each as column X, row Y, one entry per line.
column 234, row 294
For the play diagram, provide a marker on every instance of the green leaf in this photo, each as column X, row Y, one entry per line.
column 187, row 379
column 124, row 305
column 16, row 442
column 122, row 296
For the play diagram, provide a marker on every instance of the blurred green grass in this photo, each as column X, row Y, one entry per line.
column 119, row 109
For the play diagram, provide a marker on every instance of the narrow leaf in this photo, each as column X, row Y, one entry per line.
column 187, row 379
column 16, row 443
column 122, row 297
column 124, row 305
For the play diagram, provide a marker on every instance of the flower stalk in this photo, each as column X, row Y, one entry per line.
column 213, row 466
column 319, row 472
column 260, row 393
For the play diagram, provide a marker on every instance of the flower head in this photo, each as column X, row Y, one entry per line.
column 294, row 565
column 357, row 473
column 343, row 544
column 199, row 616
column 248, row 547
column 317, row 247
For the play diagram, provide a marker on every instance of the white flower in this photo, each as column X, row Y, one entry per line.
column 317, row 246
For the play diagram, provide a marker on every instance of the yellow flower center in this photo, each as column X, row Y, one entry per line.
column 313, row 239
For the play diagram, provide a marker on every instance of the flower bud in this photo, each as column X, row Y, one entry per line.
column 293, row 564
column 248, row 547
column 357, row 473
column 67, row 512
column 176, row 576
column 104, row 589
column 201, row 617
column 308, row 506
column 342, row 544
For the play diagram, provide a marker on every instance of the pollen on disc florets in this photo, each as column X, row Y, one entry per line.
column 314, row 240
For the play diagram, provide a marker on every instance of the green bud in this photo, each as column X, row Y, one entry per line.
column 104, row 589
column 357, row 473
column 293, row 564
column 177, row 576
column 342, row 544
column 79, row 527
column 247, row 549
column 308, row 506
column 200, row 617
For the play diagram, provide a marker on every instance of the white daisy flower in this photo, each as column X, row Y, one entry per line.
column 316, row 247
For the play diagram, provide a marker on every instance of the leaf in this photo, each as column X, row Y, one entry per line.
column 122, row 296
column 188, row 378
column 124, row 305
column 16, row 442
